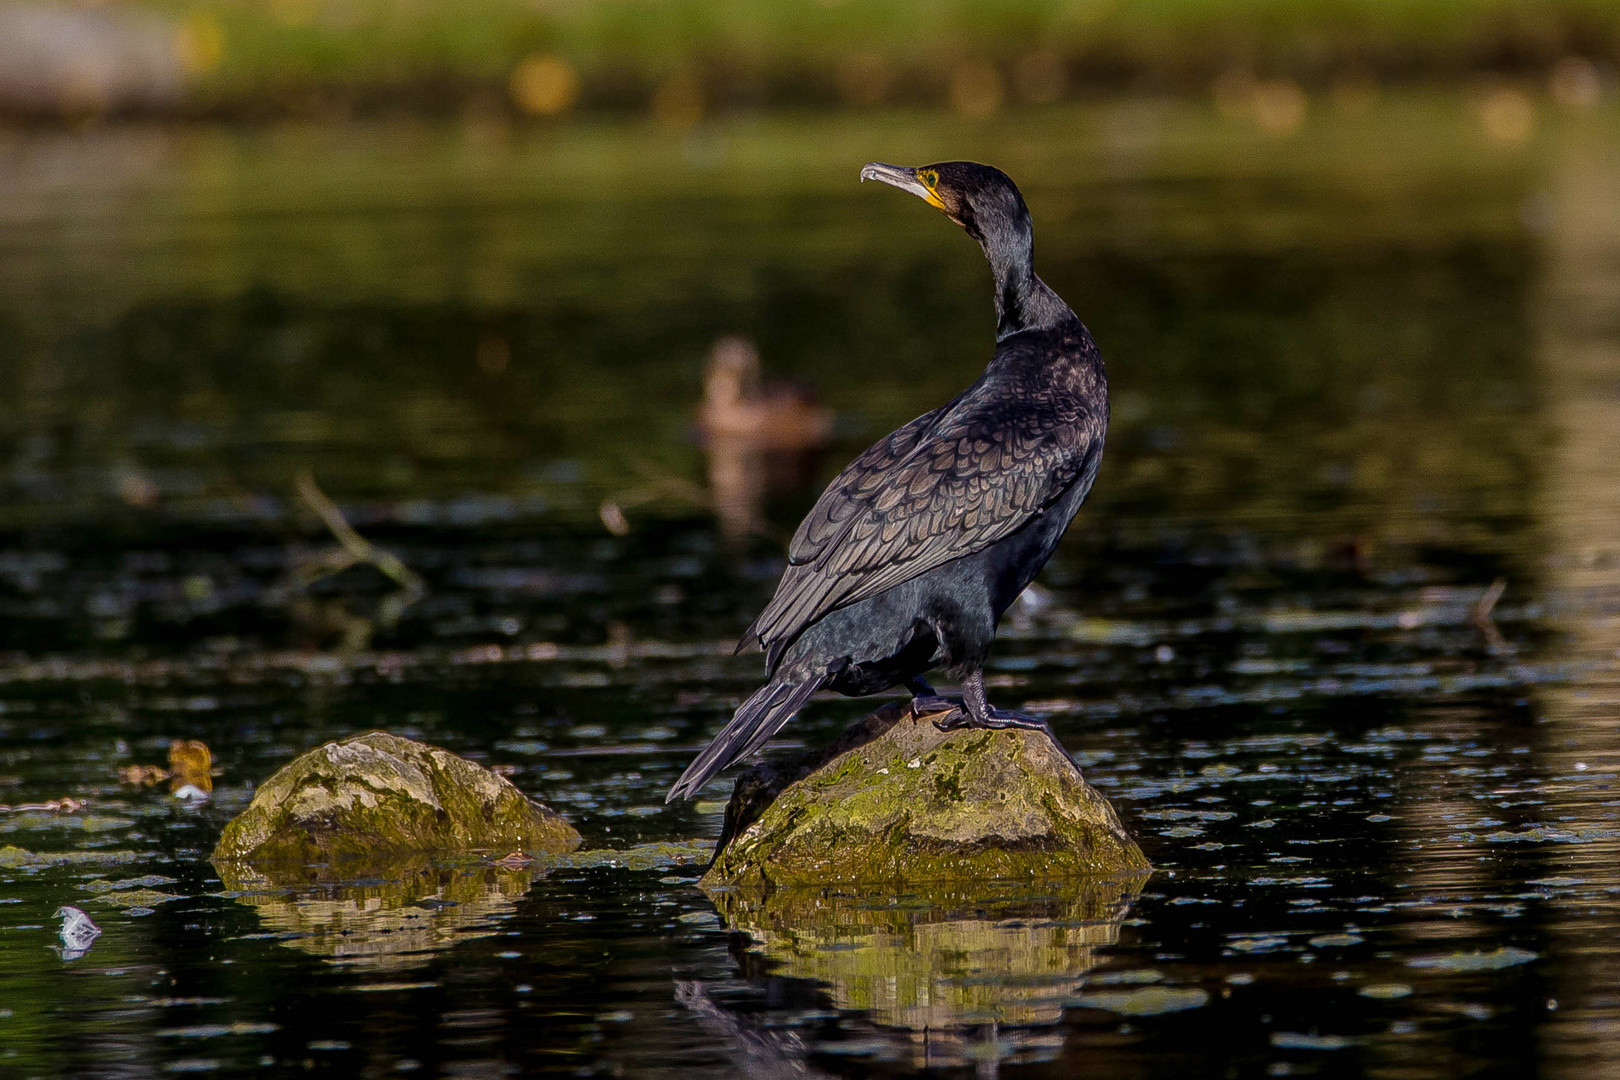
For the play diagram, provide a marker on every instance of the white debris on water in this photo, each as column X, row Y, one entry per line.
column 79, row 931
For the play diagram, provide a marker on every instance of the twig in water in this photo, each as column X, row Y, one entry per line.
column 1495, row 643
column 355, row 549
column 657, row 484
column 654, row 486
column 65, row 805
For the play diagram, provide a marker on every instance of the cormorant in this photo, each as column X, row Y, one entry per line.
column 910, row 557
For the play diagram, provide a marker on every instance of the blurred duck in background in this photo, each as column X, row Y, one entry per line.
column 739, row 404
column 758, row 436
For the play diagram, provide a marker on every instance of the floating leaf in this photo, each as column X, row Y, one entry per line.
column 1134, row 977
column 1149, row 1001
column 1475, row 961
column 641, row 857
column 13, row 857
column 191, row 764
column 1298, row 1040
column 150, row 881
column 135, row 898
column 1385, row 991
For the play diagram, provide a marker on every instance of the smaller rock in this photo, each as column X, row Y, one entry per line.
column 378, row 794
column 894, row 799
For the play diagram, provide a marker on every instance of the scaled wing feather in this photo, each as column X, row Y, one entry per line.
column 946, row 485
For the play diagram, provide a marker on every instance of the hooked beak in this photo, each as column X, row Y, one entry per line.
column 903, row 178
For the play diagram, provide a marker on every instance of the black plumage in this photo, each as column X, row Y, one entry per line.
column 910, row 557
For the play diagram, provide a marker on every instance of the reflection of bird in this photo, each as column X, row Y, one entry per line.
column 758, row 1051
column 751, row 430
column 909, row 558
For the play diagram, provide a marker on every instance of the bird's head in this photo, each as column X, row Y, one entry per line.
column 986, row 203
column 981, row 199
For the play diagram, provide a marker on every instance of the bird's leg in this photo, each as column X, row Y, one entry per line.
column 977, row 713
column 924, row 701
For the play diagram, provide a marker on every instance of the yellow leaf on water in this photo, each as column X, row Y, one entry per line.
column 190, row 762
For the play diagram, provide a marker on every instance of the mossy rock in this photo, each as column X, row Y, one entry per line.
column 894, row 799
column 375, row 794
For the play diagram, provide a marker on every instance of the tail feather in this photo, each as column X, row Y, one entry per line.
column 756, row 720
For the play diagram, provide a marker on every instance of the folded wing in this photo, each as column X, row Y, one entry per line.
column 948, row 484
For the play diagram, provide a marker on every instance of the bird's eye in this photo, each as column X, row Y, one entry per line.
column 931, row 178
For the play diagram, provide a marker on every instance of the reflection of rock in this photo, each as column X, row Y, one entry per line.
column 943, row 962
column 377, row 793
column 379, row 918
column 895, row 799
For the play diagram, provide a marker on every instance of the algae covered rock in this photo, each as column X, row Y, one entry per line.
column 374, row 794
column 894, row 799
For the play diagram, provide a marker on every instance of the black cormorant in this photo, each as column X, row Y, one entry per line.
column 910, row 557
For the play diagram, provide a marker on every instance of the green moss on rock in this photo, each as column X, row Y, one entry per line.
column 376, row 793
column 894, row 799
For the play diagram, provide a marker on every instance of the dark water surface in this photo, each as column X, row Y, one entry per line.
column 1361, row 373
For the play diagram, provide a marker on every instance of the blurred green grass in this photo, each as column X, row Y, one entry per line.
column 685, row 57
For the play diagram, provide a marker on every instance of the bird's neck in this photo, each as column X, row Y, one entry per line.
column 1023, row 300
